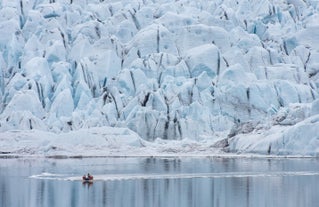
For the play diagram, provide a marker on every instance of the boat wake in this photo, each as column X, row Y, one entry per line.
column 114, row 177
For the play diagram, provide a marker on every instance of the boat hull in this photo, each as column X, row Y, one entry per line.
column 87, row 179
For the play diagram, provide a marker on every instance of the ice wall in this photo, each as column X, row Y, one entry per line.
column 168, row 69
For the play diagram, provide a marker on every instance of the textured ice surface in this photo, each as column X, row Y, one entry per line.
column 206, row 70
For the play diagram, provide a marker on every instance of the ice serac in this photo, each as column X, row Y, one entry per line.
column 24, row 111
column 208, row 71
column 204, row 58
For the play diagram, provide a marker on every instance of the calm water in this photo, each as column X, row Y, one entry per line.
column 160, row 182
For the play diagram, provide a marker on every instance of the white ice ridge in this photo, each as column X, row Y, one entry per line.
column 122, row 177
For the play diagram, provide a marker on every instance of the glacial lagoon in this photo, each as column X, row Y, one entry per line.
column 160, row 182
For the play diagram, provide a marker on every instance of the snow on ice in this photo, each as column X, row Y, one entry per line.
column 204, row 76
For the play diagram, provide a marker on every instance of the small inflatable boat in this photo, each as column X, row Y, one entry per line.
column 87, row 178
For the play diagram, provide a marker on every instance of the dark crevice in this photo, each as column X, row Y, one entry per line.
column 111, row 11
column 248, row 93
column 133, row 80
column 308, row 58
column 115, row 103
column 69, row 123
column 270, row 59
column 104, row 84
column 165, row 135
column 269, row 149
column 280, row 101
column 178, row 126
column 245, row 22
column 137, row 24
column 226, row 62
column 146, row 99
column 312, row 94
column 30, row 123
column 22, row 16
column 104, row 98
column 266, row 73
column 218, row 63
column 159, row 78
column 98, row 31
column 122, row 59
column 63, row 38
column 157, row 41
column 310, row 75
column 40, row 94
column 225, row 15
column 299, row 98
column 285, row 48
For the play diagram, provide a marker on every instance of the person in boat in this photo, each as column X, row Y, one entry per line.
column 87, row 177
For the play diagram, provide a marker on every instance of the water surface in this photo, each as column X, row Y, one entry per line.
column 162, row 182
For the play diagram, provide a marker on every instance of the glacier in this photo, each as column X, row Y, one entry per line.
column 178, row 76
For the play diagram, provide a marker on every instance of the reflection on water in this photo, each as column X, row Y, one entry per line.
column 273, row 188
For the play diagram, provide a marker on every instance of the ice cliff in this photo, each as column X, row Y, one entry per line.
column 243, row 73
